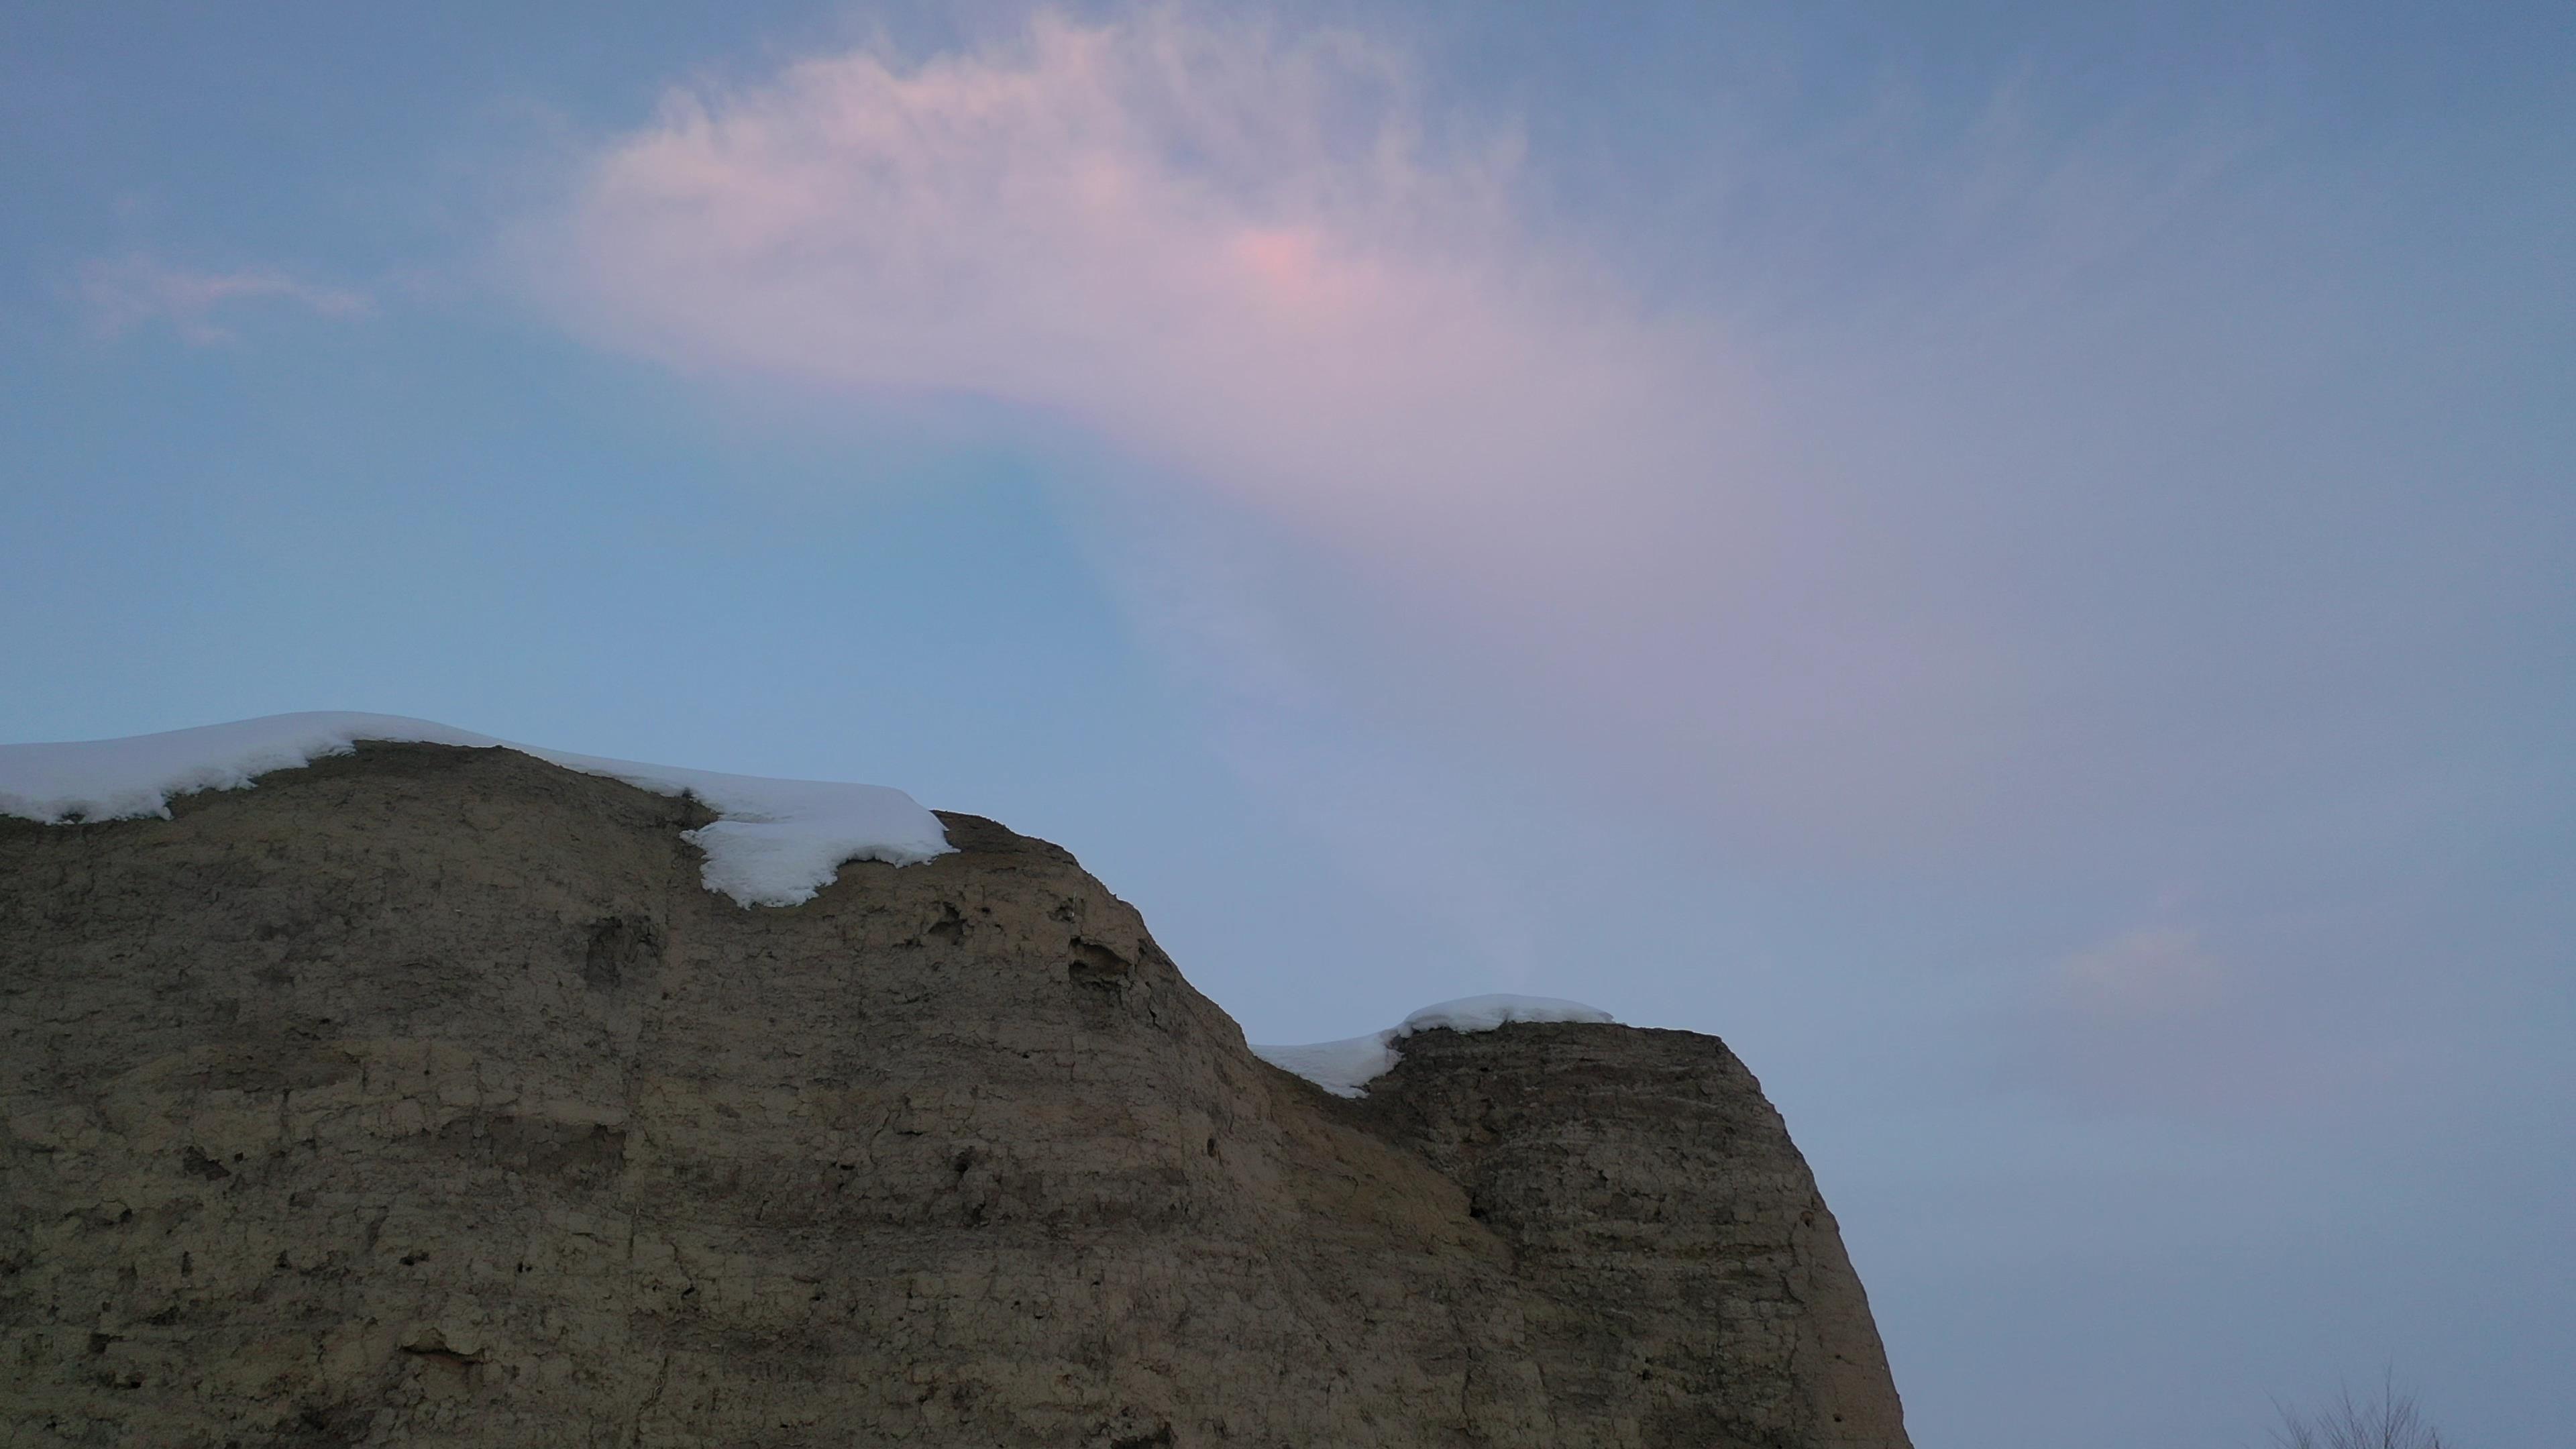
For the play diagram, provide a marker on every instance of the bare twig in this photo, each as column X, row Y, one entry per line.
column 2392, row 1421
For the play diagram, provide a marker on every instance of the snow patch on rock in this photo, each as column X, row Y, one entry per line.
column 1344, row 1068
column 774, row 843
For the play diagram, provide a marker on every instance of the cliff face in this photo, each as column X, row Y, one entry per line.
column 424, row 1096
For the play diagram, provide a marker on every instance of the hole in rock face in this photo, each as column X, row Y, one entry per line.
column 1158, row 1437
column 1097, row 967
column 950, row 929
column 619, row 947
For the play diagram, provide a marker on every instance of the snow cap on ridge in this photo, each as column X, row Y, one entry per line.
column 1484, row 1013
column 123, row 779
column 774, row 843
column 1345, row 1067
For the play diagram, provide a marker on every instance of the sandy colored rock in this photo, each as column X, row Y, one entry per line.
column 423, row 1097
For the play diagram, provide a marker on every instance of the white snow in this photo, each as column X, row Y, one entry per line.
column 1339, row 1067
column 1344, row 1068
column 1484, row 1013
column 774, row 843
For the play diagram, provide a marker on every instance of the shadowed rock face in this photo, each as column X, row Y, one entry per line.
column 422, row 1096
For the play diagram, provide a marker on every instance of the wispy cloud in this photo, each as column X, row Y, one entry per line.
column 2000, row 481
column 1249, row 260
column 2161, row 1019
column 133, row 292
column 1266, row 272
column 2145, row 976
column 1262, row 266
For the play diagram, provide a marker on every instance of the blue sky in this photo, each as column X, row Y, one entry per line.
column 2011, row 561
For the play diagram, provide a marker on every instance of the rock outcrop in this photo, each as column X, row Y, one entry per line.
column 423, row 1096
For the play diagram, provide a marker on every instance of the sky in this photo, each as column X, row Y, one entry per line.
column 2011, row 560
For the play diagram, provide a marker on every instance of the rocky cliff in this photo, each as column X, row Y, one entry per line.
column 424, row 1096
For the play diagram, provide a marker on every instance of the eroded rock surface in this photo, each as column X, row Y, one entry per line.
column 424, row 1097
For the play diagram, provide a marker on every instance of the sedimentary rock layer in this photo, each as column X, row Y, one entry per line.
column 424, row 1096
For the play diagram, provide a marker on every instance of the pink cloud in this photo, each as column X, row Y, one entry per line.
column 1239, row 258
column 137, row 291
column 1259, row 266
column 1268, row 272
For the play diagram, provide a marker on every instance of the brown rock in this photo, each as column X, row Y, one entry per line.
column 422, row 1096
